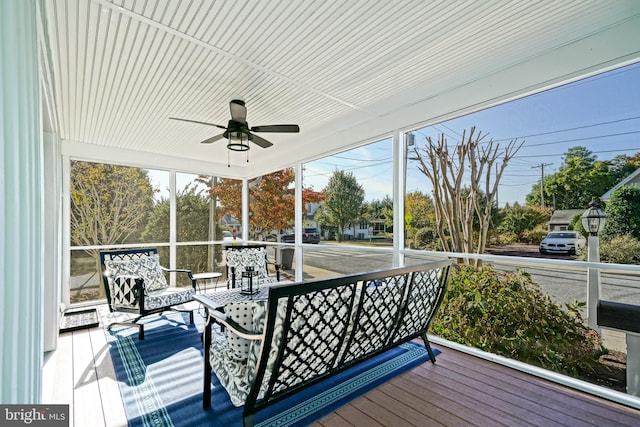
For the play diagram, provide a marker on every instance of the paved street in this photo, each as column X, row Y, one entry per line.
column 564, row 284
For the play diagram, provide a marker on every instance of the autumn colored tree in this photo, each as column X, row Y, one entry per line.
column 109, row 203
column 271, row 200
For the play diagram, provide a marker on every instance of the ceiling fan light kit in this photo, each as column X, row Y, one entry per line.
column 238, row 133
column 238, row 141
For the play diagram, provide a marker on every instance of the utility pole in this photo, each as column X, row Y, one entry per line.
column 541, row 166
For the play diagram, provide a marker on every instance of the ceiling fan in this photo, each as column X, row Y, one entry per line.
column 238, row 132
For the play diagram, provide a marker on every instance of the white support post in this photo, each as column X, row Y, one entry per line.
column 173, row 228
column 245, row 209
column 633, row 364
column 298, row 223
column 593, row 283
column 399, row 167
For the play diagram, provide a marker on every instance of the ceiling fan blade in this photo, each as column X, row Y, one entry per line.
column 196, row 121
column 238, row 110
column 276, row 128
column 259, row 141
column 212, row 139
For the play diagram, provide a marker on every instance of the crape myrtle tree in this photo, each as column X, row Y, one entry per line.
column 271, row 200
column 343, row 201
column 465, row 183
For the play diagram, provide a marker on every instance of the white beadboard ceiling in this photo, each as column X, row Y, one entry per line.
column 345, row 71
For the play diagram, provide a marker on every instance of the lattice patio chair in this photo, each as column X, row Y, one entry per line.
column 134, row 282
column 238, row 258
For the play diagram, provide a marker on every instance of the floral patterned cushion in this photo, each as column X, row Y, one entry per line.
column 238, row 259
column 168, row 297
column 145, row 267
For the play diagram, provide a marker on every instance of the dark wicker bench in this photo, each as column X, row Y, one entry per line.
column 309, row 331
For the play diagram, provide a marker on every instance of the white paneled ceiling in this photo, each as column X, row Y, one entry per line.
column 345, row 71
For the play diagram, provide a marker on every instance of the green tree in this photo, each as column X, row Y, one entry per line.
column 343, row 201
column 519, row 220
column 377, row 210
column 192, row 208
column 419, row 218
column 579, row 179
column 623, row 212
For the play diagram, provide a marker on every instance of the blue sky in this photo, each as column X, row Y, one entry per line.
column 601, row 113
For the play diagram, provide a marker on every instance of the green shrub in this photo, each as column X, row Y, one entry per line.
column 508, row 237
column 509, row 315
column 621, row 249
column 423, row 237
column 534, row 236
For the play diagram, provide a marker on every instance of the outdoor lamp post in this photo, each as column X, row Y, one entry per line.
column 593, row 221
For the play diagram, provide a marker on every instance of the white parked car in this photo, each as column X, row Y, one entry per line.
column 227, row 236
column 569, row 242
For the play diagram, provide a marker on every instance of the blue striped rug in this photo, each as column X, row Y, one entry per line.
column 160, row 380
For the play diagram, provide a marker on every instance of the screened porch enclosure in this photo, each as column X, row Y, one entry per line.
column 95, row 82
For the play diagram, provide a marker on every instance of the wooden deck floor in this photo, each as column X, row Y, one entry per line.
column 459, row 390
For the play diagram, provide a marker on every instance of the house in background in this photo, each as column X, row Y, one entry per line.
column 633, row 178
column 561, row 218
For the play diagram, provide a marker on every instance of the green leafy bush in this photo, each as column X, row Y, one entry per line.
column 621, row 249
column 508, row 237
column 534, row 236
column 509, row 315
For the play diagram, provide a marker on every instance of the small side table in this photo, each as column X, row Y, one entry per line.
column 211, row 276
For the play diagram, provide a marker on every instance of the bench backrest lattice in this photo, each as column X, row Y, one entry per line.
column 316, row 329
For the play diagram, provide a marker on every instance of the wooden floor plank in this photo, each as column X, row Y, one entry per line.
column 332, row 420
column 60, row 383
column 85, row 383
column 354, row 416
column 382, row 414
column 435, row 399
column 499, row 395
column 459, row 389
column 108, row 386
column 559, row 403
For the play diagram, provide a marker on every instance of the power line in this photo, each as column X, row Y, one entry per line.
column 586, row 138
column 541, row 166
column 568, row 129
column 594, row 152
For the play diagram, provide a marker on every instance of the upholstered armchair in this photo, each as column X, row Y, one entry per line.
column 238, row 258
column 134, row 282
